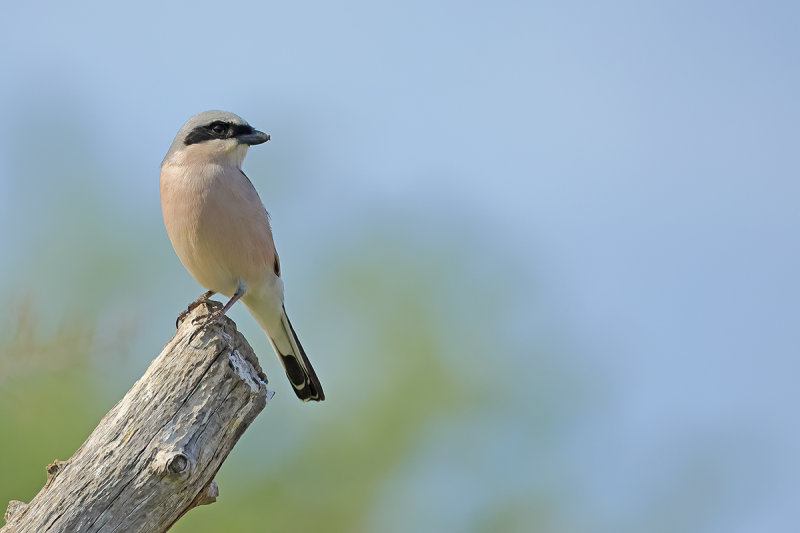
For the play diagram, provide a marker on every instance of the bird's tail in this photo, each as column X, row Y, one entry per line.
column 292, row 356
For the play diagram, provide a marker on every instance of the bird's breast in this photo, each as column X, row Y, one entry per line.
column 217, row 225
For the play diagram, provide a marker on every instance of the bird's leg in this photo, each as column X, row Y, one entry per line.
column 202, row 298
column 240, row 288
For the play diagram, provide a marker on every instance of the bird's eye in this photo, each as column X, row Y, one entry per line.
column 218, row 128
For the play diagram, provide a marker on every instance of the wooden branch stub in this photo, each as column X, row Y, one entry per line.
column 14, row 506
column 207, row 495
column 155, row 454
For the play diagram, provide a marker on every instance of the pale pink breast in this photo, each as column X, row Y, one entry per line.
column 218, row 226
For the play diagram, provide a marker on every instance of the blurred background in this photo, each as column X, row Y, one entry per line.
column 543, row 256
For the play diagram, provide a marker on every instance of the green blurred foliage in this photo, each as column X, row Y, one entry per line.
column 397, row 382
column 46, row 400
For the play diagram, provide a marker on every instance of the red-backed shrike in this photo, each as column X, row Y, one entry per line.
column 221, row 233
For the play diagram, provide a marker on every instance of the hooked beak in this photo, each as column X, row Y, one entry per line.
column 254, row 137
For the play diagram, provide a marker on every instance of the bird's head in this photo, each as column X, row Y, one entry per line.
column 214, row 137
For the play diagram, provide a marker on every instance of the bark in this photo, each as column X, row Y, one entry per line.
column 154, row 456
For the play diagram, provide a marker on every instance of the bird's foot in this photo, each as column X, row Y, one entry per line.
column 201, row 299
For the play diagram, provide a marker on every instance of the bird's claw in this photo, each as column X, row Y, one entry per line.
column 201, row 299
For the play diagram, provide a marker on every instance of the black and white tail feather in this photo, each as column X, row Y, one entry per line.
column 298, row 368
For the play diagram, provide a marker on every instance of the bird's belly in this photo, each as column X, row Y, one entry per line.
column 202, row 257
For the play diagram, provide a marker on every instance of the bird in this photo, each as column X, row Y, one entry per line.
column 221, row 232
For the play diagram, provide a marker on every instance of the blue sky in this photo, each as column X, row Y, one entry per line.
column 639, row 160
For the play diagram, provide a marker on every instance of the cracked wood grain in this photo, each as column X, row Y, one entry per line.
column 154, row 456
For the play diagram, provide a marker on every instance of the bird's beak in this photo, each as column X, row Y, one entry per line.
column 256, row 137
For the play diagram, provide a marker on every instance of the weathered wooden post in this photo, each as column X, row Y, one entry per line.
column 154, row 456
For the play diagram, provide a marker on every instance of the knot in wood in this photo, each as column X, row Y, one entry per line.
column 55, row 467
column 178, row 463
column 53, row 470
